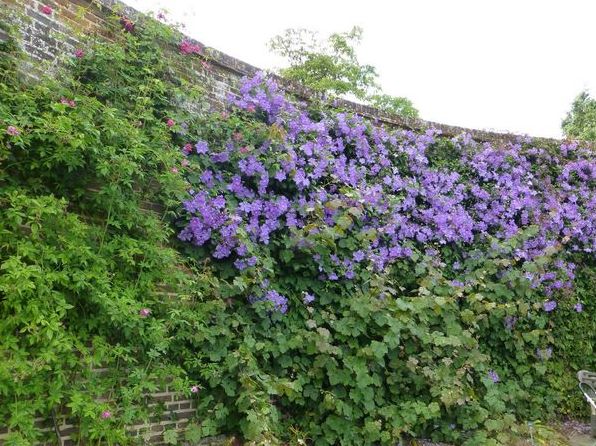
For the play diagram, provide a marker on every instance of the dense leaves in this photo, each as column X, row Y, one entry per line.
column 580, row 122
column 331, row 68
column 401, row 283
column 83, row 258
column 307, row 276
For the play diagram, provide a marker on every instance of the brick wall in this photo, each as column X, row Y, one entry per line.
column 178, row 411
column 48, row 39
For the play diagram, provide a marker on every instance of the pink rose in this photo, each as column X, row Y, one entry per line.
column 46, row 9
column 69, row 102
column 170, row 122
column 127, row 24
column 187, row 149
column 187, row 47
column 12, row 131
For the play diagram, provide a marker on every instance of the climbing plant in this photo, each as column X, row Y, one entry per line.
column 308, row 276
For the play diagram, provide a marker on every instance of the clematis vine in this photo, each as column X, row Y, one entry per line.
column 385, row 191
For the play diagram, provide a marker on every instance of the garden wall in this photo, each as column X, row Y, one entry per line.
column 49, row 38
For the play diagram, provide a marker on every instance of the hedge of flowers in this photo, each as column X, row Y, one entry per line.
column 382, row 192
column 384, row 283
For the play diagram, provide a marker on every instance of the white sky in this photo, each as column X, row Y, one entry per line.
column 505, row 65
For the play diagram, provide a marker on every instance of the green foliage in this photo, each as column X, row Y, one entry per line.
column 81, row 249
column 89, row 210
column 386, row 356
column 580, row 122
column 394, row 105
column 332, row 68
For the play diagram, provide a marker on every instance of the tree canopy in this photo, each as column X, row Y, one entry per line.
column 331, row 67
column 580, row 122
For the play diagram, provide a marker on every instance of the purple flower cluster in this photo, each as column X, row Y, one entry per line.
column 549, row 305
column 340, row 175
column 494, row 376
column 279, row 302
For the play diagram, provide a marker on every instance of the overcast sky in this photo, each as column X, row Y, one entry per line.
column 506, row 65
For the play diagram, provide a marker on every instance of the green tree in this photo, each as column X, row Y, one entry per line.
column 580, row 122
column 331, row 67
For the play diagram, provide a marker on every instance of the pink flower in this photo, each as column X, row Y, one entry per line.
column 46, row 9
column 237, row 136
column 185, row 163
column 187, row 149
column 144, row 312
column 244, row 149
column 194, row 389
column 12, row 131
column 187, row 47
column 174, row 170
column 69, row 102
column 170, row 122
column 79, row 53
column 206, row 65
column 251, row 108
column 106, row 414
column 224, row 115
column 127, row 24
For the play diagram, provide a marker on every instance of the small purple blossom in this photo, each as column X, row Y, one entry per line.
column 201, row 147
column 549, row 305
column 544, row 354
column 510, row 322
column 579, row 307
column 308, row 298
column 494, row 376
column 457, row 283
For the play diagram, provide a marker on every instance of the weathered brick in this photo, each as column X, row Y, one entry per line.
column 161, row 397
